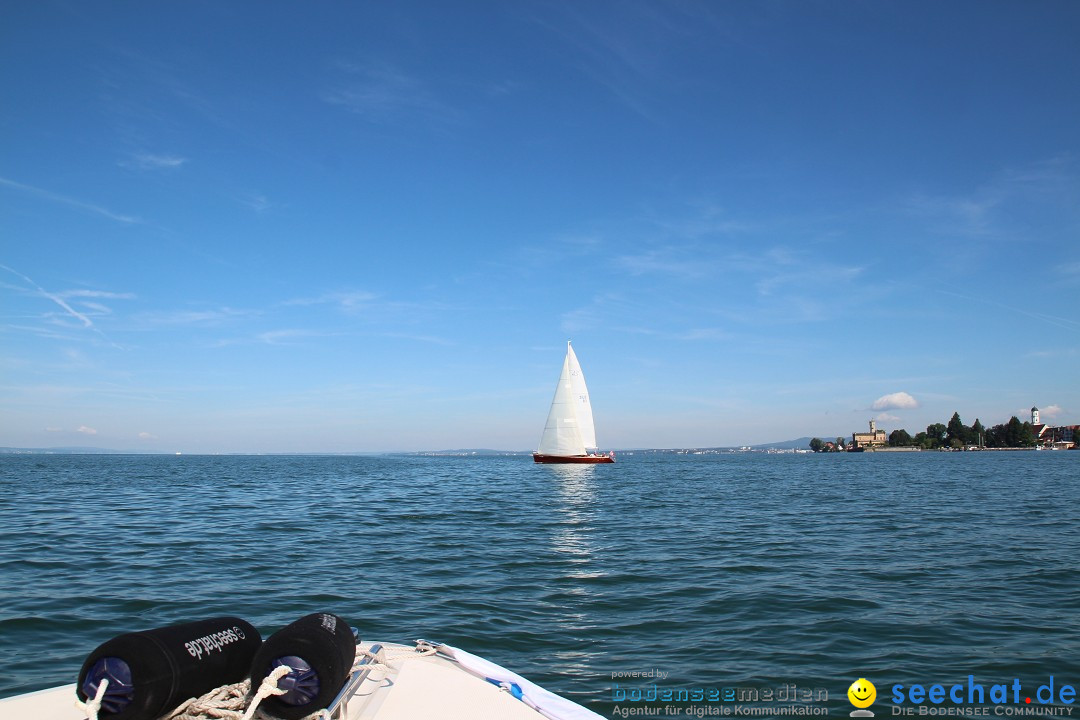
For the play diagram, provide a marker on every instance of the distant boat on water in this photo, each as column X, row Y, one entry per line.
column 570, row 435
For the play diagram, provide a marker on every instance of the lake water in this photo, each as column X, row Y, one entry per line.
column 738, row 570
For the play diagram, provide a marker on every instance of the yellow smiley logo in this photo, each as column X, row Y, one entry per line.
column 862, row 693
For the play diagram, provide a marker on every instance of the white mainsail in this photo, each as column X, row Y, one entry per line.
column 569, row 429
column 581, row 400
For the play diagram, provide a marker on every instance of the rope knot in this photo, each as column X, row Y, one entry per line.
column 93, row 705
column 268, row 687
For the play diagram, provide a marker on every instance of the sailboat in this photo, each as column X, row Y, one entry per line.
column 570, row 436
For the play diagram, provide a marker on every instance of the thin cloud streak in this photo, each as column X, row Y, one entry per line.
column 193, row 317
column 345, row 300
column 1064, row 323
column 149, row 161
column 432, row 339
column 255, row 201
column 97, row 294
column 71, row 202
column 983, row 211
column 289, row 336
column 381, row 92
column 662, row 261
column 626, row 59
column 54, row 297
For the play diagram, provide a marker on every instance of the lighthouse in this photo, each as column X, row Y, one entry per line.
column 1034, row 416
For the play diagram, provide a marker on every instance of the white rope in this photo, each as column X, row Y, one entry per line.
column 383, row 659
column 230, row 702
column 91, row 706
column 223, row 703
column 268, row 687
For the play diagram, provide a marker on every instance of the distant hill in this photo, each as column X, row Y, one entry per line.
column 802, row 443
column 797, row 444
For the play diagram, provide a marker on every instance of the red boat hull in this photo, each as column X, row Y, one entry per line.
column 537, row 457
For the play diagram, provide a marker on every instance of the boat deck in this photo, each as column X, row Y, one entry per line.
column 408, row 686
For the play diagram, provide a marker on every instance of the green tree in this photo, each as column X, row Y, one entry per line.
column 936, row 434
column 978, row 433
column 899, row 438
column 959, row 434
column 1013, row 428
column 996, row 436
column 816, row 444
column 921, row 440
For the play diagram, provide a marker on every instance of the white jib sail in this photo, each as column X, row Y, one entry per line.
column 569, row 429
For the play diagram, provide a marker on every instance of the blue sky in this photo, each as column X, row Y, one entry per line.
column 260, row 227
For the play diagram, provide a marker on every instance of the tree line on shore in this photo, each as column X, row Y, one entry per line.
column 954, row 434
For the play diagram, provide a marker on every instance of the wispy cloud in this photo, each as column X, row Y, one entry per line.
column 795, row 280
column 70, row 202
column 625, row 58
column 958, row 215
column 50, row 333
column 62, row 393
column 288, row 336
column 348, row 301
column 1059, row 353
column 704, row 334
column 984, row 211
column 87, row 300
column 360, row 308
column 710, row 222
column 431, row 339
column 572, row 247
column 54, row 297
column 382, row 92
column 1061, row 322
column 194, row 317
column 76, row 321
column 1069, row 270
column 86, row 430
column 255, row 201
column 97, row 294
column 634, row 56
column 596, row 313
column 812, row 274
column 284, row 336
column 668, row 260
column 150, row 161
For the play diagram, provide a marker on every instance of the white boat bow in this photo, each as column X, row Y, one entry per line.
column 388, row 682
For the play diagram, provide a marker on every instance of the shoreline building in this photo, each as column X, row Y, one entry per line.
column 1060, row 437
column 1038, row 427
column 874, row 438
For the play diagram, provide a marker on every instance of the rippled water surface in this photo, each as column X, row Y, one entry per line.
column 739, row 569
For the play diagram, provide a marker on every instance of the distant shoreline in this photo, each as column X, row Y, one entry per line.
column 908, row 448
